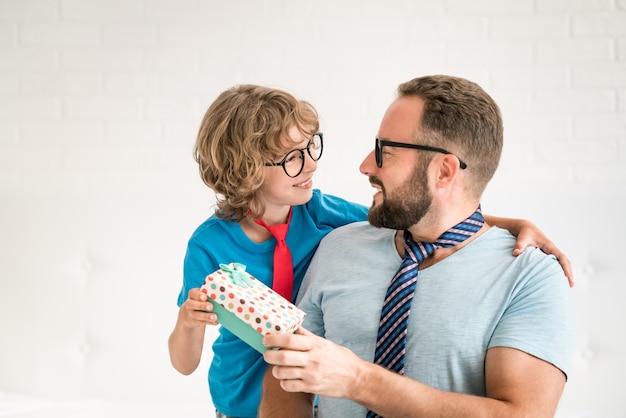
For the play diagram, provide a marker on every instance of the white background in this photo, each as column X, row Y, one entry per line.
column 100, row 102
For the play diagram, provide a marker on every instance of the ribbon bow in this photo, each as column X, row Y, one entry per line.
column 237, row 274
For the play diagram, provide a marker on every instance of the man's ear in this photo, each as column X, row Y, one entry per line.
column 448, row 167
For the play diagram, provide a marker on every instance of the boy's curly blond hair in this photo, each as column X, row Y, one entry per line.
column 245, row 127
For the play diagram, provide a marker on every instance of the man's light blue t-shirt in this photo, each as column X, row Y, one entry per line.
column 477, row 298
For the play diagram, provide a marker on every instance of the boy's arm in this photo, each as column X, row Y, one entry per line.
column 529, row 235
column 186, row 340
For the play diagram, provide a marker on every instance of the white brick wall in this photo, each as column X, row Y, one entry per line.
column 123, row 84
column 103, row 98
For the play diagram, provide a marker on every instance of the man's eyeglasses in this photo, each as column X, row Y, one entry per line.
column 380, row 143
column 293, row 163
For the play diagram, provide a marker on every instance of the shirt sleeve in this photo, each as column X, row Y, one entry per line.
column 539, row 319
column 332, row 211
column 198, row 262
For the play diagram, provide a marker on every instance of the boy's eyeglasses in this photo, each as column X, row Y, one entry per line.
column 293, row 163
column 380, row 143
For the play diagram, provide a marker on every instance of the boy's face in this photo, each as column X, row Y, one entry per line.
column 278, row 189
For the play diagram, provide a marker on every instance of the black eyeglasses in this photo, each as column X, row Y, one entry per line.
column 293, row 163
column 380, row 143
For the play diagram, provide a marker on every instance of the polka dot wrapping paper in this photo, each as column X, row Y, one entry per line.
column 248, row 308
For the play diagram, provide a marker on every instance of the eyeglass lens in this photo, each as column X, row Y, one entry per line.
column 294, row 160
column 378, row 153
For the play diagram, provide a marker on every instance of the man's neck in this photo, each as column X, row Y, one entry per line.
column 440, row 218
column 429, row 230
column 442, row 253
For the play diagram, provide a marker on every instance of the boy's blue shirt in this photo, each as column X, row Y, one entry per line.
column 237, row 370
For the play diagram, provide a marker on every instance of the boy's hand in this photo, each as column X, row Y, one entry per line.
column 196, row 311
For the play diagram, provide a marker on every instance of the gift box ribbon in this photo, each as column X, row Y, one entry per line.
column 237, row 274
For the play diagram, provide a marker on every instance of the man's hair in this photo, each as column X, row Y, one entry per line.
column 462, row 118
column 245, row 127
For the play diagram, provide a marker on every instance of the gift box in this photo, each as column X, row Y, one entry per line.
column 248, row 308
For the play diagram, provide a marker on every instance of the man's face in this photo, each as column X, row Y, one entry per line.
column 403, row 206
column 403, row 196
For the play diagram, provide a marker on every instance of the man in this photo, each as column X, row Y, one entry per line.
column 479, row 332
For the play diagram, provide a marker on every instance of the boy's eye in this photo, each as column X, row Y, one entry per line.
column 293, row 156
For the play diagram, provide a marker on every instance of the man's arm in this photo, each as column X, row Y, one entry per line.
column 275, row 402
column 518, row 384
column 528, row 234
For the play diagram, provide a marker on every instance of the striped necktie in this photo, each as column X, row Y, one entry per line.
column 394, row 317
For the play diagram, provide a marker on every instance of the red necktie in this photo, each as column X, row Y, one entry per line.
column 283, row 264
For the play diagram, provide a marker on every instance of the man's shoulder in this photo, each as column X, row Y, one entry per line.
column 501, row 238
column 356, row 233
column 361, row 228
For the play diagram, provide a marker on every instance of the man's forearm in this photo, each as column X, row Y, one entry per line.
column 520, row 385
column 391, row 395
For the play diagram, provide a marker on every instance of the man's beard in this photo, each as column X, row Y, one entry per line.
column 406, row 206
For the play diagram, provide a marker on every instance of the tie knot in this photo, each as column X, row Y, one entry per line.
column 419, row 251
column 278, row 231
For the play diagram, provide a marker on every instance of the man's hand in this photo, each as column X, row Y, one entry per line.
column 305, row 362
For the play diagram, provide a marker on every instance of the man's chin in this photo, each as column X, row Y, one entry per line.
column 373, row 217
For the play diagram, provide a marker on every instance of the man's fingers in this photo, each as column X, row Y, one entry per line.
column 300, row 341
column 303, row 331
